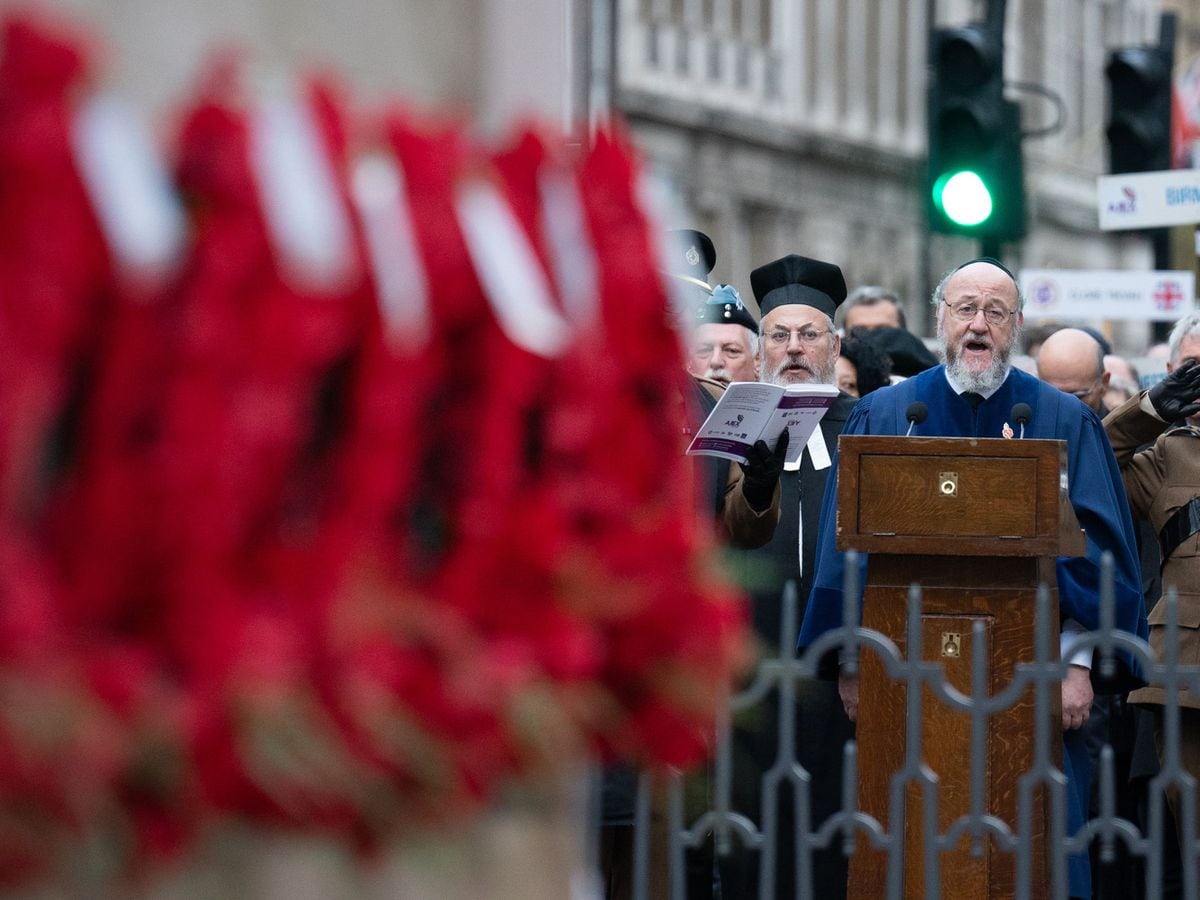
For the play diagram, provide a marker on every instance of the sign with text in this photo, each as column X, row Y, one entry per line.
column 1149, row 199
column 1103, row 294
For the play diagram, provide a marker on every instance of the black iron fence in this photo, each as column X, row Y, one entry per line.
column 686, row 831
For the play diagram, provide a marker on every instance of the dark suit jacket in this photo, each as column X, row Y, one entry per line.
column 767, row 570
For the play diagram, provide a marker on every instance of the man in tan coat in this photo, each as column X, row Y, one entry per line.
column 1163, row 484
column 744, row 497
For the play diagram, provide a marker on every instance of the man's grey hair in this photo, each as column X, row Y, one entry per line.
column 870, row 295
column 939, row 292
column 1189, row 324
column 755, row 342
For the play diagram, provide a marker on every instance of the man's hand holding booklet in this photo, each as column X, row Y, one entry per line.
column 752, row 411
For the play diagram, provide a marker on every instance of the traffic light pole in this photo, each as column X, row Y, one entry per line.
column 1140, row 82
column 1161, row 237
column 994, row 19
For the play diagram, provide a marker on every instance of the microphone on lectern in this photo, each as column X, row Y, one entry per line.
column 916, row 413
column 1021, row 414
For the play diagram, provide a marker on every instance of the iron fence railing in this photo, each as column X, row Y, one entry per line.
column 725, row 829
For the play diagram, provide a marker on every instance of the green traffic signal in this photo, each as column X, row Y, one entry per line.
column 975, row 170
column 963, row 197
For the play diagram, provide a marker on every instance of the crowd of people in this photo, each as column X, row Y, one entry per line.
column 1141, row 504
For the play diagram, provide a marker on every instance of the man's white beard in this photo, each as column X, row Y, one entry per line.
column 980, row 382
column 778, row 377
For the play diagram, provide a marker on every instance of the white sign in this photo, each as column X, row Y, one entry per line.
column 1099, row 294
column 1149, row 199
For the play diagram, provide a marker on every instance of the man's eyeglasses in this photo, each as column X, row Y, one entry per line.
column 808, row 336
column 1085, row 392
column 966, row 312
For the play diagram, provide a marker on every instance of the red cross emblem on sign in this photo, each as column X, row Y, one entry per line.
column 1168, row 296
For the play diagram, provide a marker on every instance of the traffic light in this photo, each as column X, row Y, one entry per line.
column 1139, row 121
column 976, row 181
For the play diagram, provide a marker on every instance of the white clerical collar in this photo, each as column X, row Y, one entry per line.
column 818, row 453
column 960, row 390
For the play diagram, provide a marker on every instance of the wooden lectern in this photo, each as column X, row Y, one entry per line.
column 978, row 524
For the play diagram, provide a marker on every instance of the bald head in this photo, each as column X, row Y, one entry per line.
column 1073, row 361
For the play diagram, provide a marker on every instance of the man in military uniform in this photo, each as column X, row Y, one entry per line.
column 723, row 343
column 1163, row 484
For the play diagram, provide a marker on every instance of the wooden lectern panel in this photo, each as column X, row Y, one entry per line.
column 945, row 731
column 951, row 502
column 951, row 606
column 955, row 497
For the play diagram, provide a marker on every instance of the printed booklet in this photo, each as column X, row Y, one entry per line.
column 751, row 411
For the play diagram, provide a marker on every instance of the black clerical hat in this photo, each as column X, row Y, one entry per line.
column 798, row 279
column 724, row 307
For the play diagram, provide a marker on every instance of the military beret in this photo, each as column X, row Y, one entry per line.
column 724, row 307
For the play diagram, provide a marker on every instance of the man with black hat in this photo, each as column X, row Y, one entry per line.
column 797, row 297
column 974, row 394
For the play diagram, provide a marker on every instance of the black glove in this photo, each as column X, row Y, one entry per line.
column 761, row 472
column 1178, row 395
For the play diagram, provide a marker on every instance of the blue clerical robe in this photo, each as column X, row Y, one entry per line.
column 1095, row 489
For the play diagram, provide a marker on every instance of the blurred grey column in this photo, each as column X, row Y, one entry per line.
column 536, row 61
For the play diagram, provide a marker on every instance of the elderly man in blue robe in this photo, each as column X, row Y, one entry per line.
column 972, row 394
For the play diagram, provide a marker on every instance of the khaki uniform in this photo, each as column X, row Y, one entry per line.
column 1159, row 480
column 743, row 526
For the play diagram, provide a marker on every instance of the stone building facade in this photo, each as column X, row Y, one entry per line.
column 799, row 126
column 781, row 125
